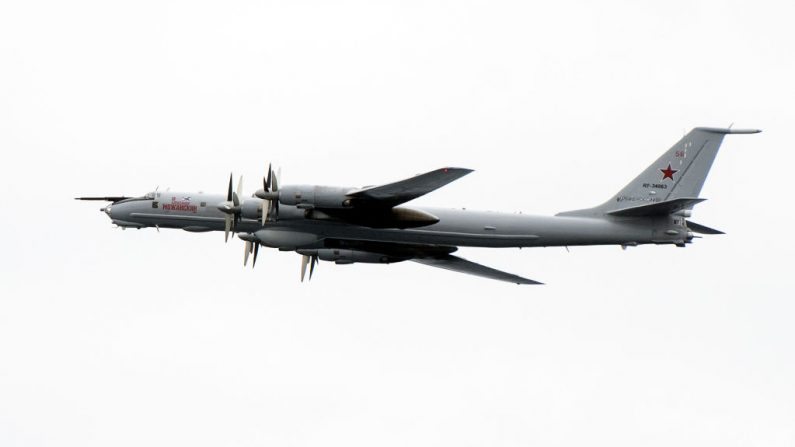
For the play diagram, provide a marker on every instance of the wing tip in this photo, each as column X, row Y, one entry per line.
column 530, row 282
column 453, row 169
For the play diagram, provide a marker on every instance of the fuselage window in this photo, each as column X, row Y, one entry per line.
column 203, row 204
column 154, row 204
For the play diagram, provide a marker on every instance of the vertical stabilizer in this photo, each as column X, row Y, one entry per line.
column 679, row 173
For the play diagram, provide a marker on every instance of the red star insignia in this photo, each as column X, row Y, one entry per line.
column 668, row 172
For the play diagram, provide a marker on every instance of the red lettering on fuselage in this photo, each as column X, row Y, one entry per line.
column 180, row 205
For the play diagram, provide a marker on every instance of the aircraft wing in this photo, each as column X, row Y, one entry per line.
column 395, row 193
column 456, row 264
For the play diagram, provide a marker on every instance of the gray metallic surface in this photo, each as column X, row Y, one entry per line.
column 331, row 223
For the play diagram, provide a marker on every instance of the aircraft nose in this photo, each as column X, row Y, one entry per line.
column 107, row 210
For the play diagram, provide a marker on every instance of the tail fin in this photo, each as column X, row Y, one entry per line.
column 678, row 174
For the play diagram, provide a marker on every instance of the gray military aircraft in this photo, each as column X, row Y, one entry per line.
column 347, row 225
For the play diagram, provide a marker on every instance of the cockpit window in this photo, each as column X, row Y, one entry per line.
column 149, row 195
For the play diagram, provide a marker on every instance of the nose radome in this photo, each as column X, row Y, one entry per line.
column 107, row 210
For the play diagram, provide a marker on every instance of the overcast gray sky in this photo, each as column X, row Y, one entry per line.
column 130, row 338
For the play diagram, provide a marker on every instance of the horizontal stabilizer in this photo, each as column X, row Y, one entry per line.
column 456, row 264
column 657, row 209
column 727, row 131
column 702, row 229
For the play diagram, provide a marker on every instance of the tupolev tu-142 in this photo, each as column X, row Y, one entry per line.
column 376, row 224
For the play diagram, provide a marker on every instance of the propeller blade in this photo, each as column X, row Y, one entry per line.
column 312, row 266
column 266, row 209
column 277, row 180
column 227, row 226
column 274, row 182
column 304, row 262
column 267, row 182
column 239, row 193
column 229, row 191
column 256, row 250
column 246, row 251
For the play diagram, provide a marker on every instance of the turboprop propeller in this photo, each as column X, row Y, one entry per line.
column 231, row 207
column 270, row 211
column 252, row 248
column 270, row 194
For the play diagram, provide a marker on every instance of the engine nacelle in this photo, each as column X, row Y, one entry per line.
column 313, row 196
column 285, row 239
column 347, row 256
column 251, row 208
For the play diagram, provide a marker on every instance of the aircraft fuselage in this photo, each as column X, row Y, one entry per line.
column 456, row 227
